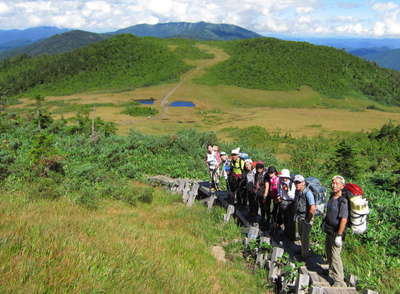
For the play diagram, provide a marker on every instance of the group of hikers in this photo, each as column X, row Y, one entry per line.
column 283, row 203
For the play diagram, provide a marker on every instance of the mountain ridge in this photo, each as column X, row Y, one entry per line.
column 59, row 43
column 197, row 31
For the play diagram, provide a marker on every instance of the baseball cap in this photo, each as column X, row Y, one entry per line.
column 298, row 178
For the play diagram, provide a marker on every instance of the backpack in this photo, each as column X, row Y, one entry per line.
column 244, row 156
column 314, row 185
column 358, row 208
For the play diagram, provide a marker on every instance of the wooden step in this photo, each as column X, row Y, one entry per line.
column 331, row 290
column 318, row 280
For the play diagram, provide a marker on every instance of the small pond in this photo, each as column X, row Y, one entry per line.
column 182, row 104
column 146, row 101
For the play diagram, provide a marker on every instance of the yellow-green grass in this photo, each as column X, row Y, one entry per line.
column 164, row 247
column 296, row 112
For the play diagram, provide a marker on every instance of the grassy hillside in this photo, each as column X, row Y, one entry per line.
column 273, row 64
column 157, row 247
column 57, row 44
column 120, row 62
column 66, row 162
column 196, row 31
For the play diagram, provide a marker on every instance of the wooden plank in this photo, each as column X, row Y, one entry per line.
column 317, row 280
column 332, row 290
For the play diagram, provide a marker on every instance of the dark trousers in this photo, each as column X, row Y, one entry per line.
column 253, row 203
column 242, row 195
column 233, row 182
column 265, row 205
column 287, row 218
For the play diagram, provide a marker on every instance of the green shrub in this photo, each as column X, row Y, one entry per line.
column 44, row 188
column 139, row 111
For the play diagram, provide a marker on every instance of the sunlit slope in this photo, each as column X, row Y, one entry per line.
column 273, row 64
column 123, row 61
column 163, row 247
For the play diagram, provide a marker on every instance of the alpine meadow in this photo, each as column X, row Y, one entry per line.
column 86, row 119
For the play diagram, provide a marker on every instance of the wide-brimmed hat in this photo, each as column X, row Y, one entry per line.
column 285, row 173
column 235, row 151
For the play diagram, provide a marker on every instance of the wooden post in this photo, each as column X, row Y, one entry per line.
column 302, row 283
column 193, row 194
column 229, row 211
column 273, row 273
column 253, row 232
column 186, row 189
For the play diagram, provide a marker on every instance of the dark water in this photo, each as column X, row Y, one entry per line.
column 182, row 104
column 145, row 101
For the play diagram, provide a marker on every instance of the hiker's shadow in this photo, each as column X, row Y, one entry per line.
column 314, row 262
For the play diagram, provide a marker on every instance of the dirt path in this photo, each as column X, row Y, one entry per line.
column 198, row 70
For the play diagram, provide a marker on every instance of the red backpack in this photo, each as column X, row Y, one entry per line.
column 358, row 208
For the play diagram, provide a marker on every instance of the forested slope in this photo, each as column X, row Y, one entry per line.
column 57, row 44
column 123, row 61
column 274, row 64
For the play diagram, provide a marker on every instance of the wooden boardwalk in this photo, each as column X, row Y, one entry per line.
column 315, row 268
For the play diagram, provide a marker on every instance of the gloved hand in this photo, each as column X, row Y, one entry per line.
column 338, row 241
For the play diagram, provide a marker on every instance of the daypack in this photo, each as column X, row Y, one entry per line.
column 358, row 208
column 319, row 192
column 244, row 156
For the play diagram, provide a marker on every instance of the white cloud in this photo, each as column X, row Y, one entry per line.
column 351, row 29
column 263, row 16
column 303, row 10
column 4, row 8
column 379, row 28
column 96, row 8
column 386, row 6
column 389, row 19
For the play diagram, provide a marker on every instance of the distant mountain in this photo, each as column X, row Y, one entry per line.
column 15, row 38
column 196, row 31
column 57, row 44
column 361, row 52
column 384, row 57
column 346, row 43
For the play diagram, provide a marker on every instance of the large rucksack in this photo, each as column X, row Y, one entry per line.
column 319, row 192
column 358, row 208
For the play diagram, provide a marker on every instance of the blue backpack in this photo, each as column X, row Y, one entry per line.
column 314, row 185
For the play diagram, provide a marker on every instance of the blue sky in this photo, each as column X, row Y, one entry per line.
column 368, row 18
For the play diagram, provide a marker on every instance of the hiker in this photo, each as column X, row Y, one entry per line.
column 305, row 209
column 286, row 195
column 247, row 179
column 217, row 155
column 212, row 165
column 334, row 225
column 258, row 188
column 235, row 175
column 225, row 165
column 218, row 168
column 270, row 193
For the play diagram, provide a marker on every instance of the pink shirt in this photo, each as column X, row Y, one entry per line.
column 273, row 186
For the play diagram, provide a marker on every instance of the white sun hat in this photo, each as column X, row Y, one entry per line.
column 285, row 173
column 235, row 151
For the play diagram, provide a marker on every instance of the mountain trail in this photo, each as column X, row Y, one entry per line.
column 200, row 66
